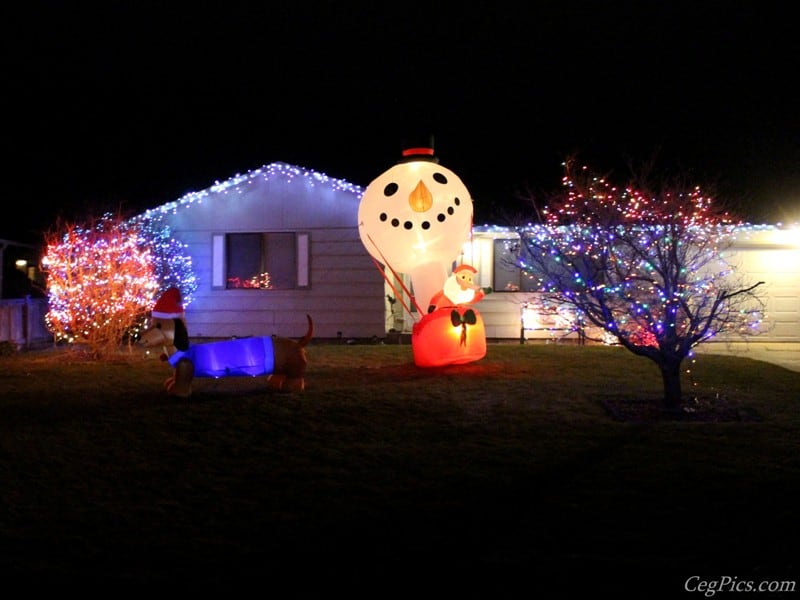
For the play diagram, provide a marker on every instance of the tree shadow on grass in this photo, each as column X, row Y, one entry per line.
column 695, row 409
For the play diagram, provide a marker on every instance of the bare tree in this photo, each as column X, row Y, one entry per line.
column 646, row 267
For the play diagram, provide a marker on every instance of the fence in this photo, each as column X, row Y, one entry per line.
column 22, row 322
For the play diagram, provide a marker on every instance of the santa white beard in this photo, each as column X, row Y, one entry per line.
column 455, row 293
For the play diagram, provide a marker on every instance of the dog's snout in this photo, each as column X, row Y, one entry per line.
column 149, row 338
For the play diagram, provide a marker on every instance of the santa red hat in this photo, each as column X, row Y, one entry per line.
column 469, row 268
column 169, row 305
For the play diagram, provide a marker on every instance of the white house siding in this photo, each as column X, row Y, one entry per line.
column 345, row 292
column 773, row 256
column 502, row 314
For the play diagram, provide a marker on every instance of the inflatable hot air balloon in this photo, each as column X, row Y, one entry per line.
column 414, row 218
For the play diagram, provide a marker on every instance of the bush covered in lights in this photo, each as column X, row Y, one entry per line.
column 100, row 283
column 645, row 266
column 102, row 279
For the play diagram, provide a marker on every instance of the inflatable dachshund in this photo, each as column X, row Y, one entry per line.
column 282, row 360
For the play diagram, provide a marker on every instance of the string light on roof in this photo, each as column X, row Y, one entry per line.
column 265, row 173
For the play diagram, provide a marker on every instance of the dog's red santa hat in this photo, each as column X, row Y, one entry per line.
column 169, row 305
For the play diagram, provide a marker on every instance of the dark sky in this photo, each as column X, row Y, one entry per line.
column 128, row 107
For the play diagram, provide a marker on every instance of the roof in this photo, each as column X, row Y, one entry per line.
column 266, row 172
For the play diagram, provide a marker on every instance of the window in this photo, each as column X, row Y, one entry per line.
column 263, row 261
column 506, row 272
column 508, row 277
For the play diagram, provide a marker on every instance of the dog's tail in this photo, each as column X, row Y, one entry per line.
column 309, row 334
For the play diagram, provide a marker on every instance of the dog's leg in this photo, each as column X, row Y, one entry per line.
column 275, row 382
column 182, row 380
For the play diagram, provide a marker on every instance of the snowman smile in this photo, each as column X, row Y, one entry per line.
column 425, row 224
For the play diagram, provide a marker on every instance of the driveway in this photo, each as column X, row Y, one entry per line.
column 785, row 354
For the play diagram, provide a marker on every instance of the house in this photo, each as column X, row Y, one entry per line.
column 759, row 253
column 19, row 270
column 22, row 298
column 282, row 241
column 269, row 247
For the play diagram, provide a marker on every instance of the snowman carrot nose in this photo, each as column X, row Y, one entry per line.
column 420, row 199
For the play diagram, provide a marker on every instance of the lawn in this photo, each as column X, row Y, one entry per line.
column 505, row 477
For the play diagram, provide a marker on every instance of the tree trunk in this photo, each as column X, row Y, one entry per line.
column 671, row 376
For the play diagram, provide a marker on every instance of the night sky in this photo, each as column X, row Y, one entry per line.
column 126, row 108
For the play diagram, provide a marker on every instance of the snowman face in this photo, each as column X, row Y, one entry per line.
column 415, row 213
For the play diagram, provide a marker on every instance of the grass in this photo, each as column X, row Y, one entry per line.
column 500, row 478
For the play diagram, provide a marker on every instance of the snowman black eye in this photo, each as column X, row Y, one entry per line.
column 390, row 189
column 439, row 178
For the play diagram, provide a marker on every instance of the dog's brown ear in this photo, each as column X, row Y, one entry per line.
column 181, row 340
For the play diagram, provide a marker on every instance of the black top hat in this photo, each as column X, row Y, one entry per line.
column 418, row 148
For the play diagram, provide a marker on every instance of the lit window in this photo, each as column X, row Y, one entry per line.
column 262, row 261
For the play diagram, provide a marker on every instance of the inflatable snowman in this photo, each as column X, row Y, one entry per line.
column 414, row 218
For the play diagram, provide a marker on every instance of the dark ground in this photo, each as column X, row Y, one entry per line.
column 539, row 471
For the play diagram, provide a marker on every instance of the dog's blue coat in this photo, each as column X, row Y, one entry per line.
column 246, row 357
